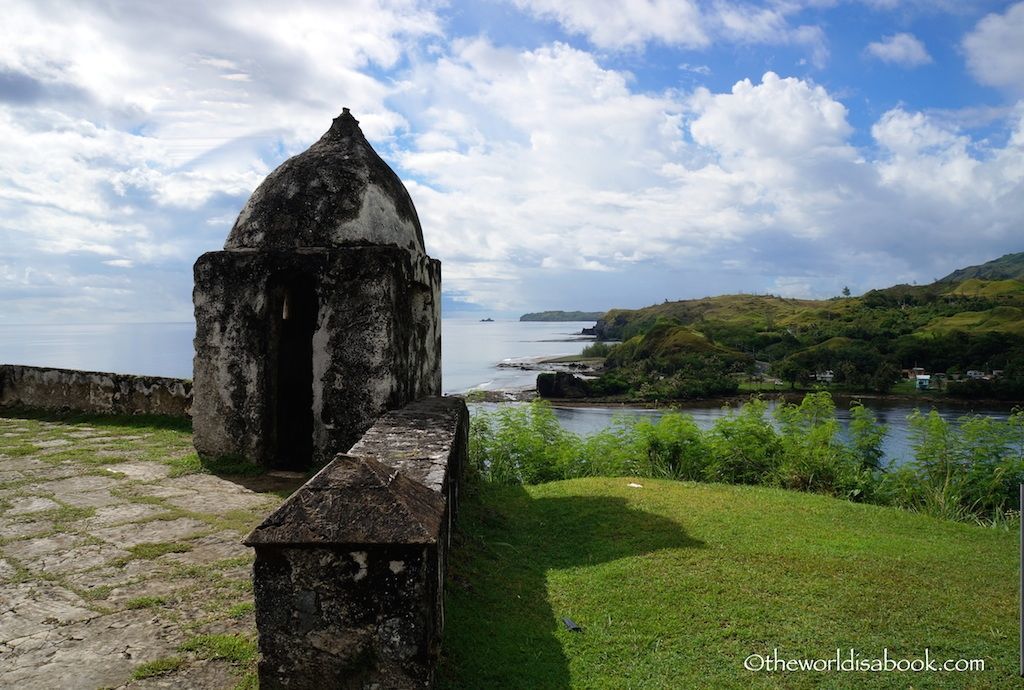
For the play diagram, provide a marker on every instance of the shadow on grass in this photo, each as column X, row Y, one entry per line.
column 501, row 629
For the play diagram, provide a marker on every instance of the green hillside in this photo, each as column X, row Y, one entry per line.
column 976, row 287
column 1005, row 267
column 561, row 316
column 950, row 326
column 1009, row 320
column 676, row 583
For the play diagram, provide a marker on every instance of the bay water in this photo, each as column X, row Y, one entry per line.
column 475, row 355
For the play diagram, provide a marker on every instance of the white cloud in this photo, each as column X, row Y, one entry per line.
column 539, row 174
column 901, row 49
column 750, row 24
column 625, row 23
column 696, row 69
column 782, row 118
column 631, row 24
column 995, row 50
column 132, row 124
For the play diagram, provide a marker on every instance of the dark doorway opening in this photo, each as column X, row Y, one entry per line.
column 294, row 314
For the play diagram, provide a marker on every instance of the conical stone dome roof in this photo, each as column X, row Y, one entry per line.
column 337, row 193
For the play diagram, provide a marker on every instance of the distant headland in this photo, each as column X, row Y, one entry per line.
column 562, row 316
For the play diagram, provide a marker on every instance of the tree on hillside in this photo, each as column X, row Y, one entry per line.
column 846, row 291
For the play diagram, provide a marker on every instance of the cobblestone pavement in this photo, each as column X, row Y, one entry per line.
column 120, row 559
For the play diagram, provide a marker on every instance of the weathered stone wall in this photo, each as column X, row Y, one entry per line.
column 93, row 391
column 376, row 346
column 349, row 572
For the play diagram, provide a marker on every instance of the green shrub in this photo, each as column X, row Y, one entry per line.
column 965, row 472
column 598, row 349
column 744, row 447
column 521, row 445
column 675, row 447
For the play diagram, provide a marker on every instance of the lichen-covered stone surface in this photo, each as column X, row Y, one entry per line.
column 349, row 573
column 337, row 193
column 376, row 344
column 334, row 223
column 119, row 557
column 93, row 391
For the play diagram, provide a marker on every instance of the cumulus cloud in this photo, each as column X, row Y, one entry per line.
column 544, row 159
column 634, row 23
column 901, row 49
column 995, row 50
column 544, row 177
column 134, row 131
column 624, row 24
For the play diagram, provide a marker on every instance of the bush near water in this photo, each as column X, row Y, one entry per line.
column 967, row 471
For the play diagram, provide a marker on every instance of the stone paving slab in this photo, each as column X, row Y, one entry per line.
column 7, row 571
column 19, row 529
column 29, row 550
column 30, row 504
column 33, row 607
column 91, row 499
column 74, row 485
column 120, row 513
column 85, row 656
column 143, row 471
column 219, row 501
column 157, row 531
column 80, row 558
column 221, row 546
column 107, row 564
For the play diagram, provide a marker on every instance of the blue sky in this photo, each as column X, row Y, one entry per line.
column 575, row 154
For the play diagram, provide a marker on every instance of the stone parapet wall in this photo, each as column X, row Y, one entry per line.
column 349, row 572
column 92, row 391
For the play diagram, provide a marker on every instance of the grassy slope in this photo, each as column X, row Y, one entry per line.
column 676, row 583
column 760, row 311
column 998, row 320
column 1006, row 266
column 992, row 289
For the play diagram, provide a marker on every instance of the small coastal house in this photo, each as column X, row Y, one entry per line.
column 923, row 382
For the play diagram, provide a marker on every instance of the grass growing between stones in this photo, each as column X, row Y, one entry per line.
column 235, row 648
column 145, row 602
column 157, row 549
column 676, row 583
column 158, row 667
column 82, row 485
column 241, row 610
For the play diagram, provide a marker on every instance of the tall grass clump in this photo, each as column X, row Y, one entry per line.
column 964, row 471
column 598, row 349
column 969, row 472
column 814, row 458
column 521, row 445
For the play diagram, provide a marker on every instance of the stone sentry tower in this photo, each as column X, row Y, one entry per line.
column 321, row 313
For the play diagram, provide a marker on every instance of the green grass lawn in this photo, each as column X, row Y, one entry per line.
column 675, row 584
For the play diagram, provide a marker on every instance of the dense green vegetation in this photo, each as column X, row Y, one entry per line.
column 676, row 583
column 690, row 347
column 562, row 316
column 968, row 471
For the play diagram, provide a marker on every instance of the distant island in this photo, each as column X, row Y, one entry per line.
column 487, row 320
column 562, row 316
column 961, row 336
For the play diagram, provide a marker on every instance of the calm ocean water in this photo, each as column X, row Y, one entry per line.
column 471, row 351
